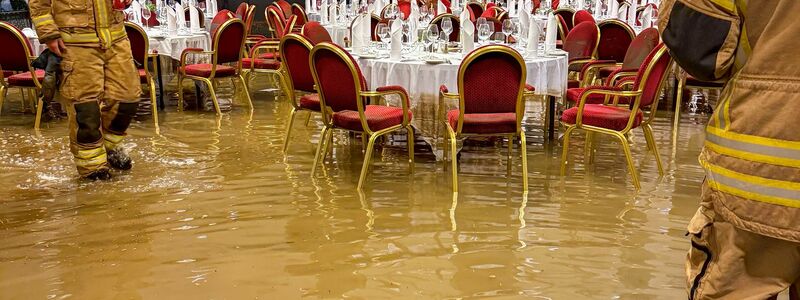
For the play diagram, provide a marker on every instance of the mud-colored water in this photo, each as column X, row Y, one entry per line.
column 213, row 210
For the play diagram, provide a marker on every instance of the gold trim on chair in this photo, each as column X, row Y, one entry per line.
column 289, row 84
column 32, row 91
column 150, row 82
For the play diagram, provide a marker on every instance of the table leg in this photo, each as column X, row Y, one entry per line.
column 551, row 118
column 160, row 84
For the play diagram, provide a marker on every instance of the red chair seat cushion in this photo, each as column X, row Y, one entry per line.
column 310, row 102
column 204, row 70
column 484, row 123
column 572, row 83
column 598, row 115
column 574, row 96
column 259, row 63
column 25, row 79
column 378, row 117
column 270, row 55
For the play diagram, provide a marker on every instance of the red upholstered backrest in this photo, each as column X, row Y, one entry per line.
column 456, row 25
column 241, row 10
column 489, row 12
column 276, row 21
column 138, row 41
column 563, row 27
column 582, row 16
column 334, row 78
column 650, row 86
column 228, row 47
column 641, row 46
column 316, row 33
column 298, row 11
column 554, row 4
column 615, row 38
column 15, row 50
column 405, row 8
column 566, row 14
column 581, row 41
column 286, row 8
column 374, row 21
column 536, row 5
column 249, row 17
column 490, row 82
column 219, row 18
column 295, row 50
column 475, row 8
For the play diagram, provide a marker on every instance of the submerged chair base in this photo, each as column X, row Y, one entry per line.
column 453, row 138
column 32, row 94
column 212, row 85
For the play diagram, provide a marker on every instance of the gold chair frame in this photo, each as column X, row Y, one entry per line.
column 326, row 136
column 456, row 133
column 210, row 80
column 32, row 91
column 289, row 85
column 679, row 95
column 621, row 135
column 590, row 77
column 592, row 56
column 151, row 86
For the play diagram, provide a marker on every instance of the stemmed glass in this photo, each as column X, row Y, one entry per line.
column 447, row 26
column 484, row 32
column 380, row 30
column 146, row 15
column 385, row 35
column 424, row 12
column 431, row 35
column 508, row 29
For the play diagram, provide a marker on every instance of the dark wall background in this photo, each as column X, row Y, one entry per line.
column 260, row 23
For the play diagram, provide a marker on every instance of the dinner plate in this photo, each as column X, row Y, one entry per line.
column 435, row 61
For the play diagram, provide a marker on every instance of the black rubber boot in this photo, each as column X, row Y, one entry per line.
column 118, row 159
column 99, row 174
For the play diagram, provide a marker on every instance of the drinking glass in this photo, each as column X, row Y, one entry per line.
column 432, row 34
column 481, row 21
column 385, row 35
column 146, row 16
column 484, row 32
column 381, row 29
column 508, row 29
column 447, row 26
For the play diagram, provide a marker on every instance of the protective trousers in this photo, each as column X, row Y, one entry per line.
column 726, row 262
column 101, row 91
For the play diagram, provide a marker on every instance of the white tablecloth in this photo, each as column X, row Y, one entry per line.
column 337, row 32
column 173, row 46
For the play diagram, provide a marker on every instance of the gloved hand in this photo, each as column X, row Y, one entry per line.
column 51, row 64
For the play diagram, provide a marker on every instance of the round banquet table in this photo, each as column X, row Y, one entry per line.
column 548, row 74
column 337, row 32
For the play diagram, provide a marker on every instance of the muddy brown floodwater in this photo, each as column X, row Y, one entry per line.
column 212, row 210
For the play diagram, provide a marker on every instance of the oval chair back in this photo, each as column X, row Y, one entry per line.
column 566, row 14
column 298, row 11
column 229, row 42
column 285, row 8
column 16, row 51
column 221, row 17
column 139, row 43
column 386, row 9
column 475, row 8
column 405, row 8
column 187, row 14
column 581, row 42
column 582, row 16
column 295, row 52
column 615, row 39
column 640, row 48
column 315, row 33
column 454, row 36
column 242, row 9
column 651, row 75
column 338, row 79
column 280, row 26
column 491, row 79
column 563, row 28
column 248, row 19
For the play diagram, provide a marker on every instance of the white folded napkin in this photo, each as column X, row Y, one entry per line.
column 622, row 12
column 550, row 34
column 180, row 17
column 598, row 8
column 136, row 10
column 512, row 8
column 647, row 17
column 361, row 33
column 307, row 6
column 613, row 9
column 579, row 5
column 377, row 6
column 194, row 18
column 532, row 46
column 524, row 21
column 441, row 9
column 211, row 7
column 171, row 21
column 397, row 40
column 323, row 12
column 334, row 13
column 632, row 12
column 467, row 33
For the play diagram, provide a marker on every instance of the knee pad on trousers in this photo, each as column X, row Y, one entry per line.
column 125, row 113
column 87, row 115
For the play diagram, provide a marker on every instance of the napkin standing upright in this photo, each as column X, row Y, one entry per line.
column 467, row 33
column 598, row 8
column 413, row 21
column 397, row 40
column 441, row 9
column 532, row 46
column 194, row 18
column 524, row 21
column 333, row 16
column 171, row 21
column 647, row 17
column 579, row 5
column 378, row 7
column 550, row 34
column 136, row 9
column 512, row 8
column 211, row 7
column 613, row 9
column 323, row 12
column 632, row 13
column 180, row 17
column 361, row 33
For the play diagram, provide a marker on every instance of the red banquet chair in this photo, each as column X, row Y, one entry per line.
column 567, row 14
column 16, row 56
column 296, row 50
column 241, row 10
column 476, row 9
column 455, row 35
column 227, row 48
column 342, row 99
column 315, row 33
column 140, row 46
column 619, row 121
column 261, row 59
column 219, row 19
column 581, row 46
column 582, row 16
column 285, row 8
column 491, row 85
column 405, row 8
column 302, row 17
column 563, row 31
column 639, row 48
column 615, row 40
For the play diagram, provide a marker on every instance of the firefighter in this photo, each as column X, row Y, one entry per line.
column 99, row 83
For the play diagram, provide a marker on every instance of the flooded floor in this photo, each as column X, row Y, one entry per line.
column 213, row 210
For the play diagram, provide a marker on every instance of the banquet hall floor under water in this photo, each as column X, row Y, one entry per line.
column 215, row 211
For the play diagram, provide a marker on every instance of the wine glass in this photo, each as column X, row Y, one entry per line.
column 423, row 12
column 432, row 34
column 508, row 29
column 447, row 26
column 381, row 29
column 481, row 21
column 386, row 35
column 484, row 32
column 146, row 16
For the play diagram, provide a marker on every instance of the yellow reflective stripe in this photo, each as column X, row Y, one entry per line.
column 91, row 162
column 728, row 5
column 751, row 187
column 759, row 140
column 117, row 34
column 41, row 18
column 90, row 153
column 752, row 148
column 80, row 37
column 112, row 140
column 750, row 156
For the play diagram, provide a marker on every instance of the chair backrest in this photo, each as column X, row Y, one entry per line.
column 280, row 26
column 640, row 47
column 582, row 41
column 563, row 29
column 295, row 50
column 491, row 80
column 298, row 11
column 285, row 7
column 385, row 9
column 652, row 74
column 615, row 38
column 476, row 8
column 337, row 77
column 405, row 8
column 221, row 17
column 229, row 41
column 187, row 14
column 139, row 43
column 249, row 17
column 16, row 51
column 454, row 36
column 242, row 9
column 554, row 4
column 315, row 33
column 566, row 14
column 582, row 16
